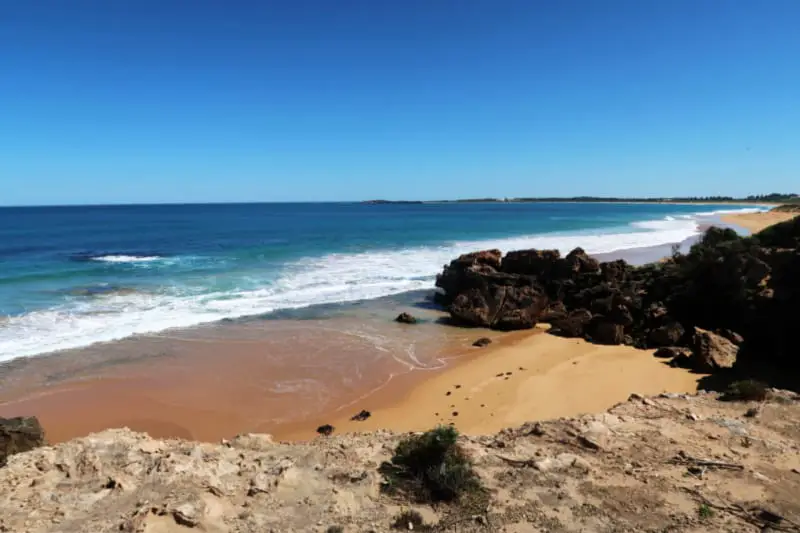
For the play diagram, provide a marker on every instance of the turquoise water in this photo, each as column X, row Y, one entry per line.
column 74, row 276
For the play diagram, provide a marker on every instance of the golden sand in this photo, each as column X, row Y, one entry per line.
column 755, row 222
column 524, row 377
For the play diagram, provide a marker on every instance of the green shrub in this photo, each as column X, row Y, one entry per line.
column 748, row 390
column 705, row 512
column 411, row 518
column 432, row 467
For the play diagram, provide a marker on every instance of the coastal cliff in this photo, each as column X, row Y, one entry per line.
column 682, row 463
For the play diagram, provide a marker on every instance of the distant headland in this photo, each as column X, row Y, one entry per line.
column 774, row 198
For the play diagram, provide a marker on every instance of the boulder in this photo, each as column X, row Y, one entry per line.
column 18, row 435
column 712, row 352
column 500, row 301
column 482, row 342
column 731, row 335
column 453, row 277
column 579, row 262
column 405, row 318
column 574, row 325
column 539, row 263
column 669, row 334
column 555, row 311
column 603, row 331
column 671, row 352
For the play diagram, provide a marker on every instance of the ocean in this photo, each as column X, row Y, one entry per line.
column 71, row 277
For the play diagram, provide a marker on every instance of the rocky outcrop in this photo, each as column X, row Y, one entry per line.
column 18, row 435
column 607, row 468
column 497, row 300
column 746, row 289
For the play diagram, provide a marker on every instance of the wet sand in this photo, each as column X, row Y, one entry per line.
column 288, row 377
column 755, row 222
column 526, row 376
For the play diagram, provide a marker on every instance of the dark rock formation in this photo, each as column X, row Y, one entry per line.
column 361, row 416
column 405, row 318
column 482, row 342
column 574, row 325
column 669, row 334
column 671, row 352
column 19, row 435
column 497, row 300
column 747, row 290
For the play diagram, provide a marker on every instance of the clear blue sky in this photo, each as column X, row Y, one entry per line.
column 191, row 101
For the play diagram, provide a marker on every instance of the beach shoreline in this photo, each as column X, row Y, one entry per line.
column 196, row 385
column 755, row 222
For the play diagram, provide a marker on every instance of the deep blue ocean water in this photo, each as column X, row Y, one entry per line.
column 73, row 276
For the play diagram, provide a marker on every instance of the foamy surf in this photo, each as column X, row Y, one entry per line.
column 327, row 279
column 126, row 258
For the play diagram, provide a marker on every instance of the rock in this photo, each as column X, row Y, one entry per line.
column 562, row 461
column 405, row 318
column 667, row 335
column 499, row 301
column 483, row 341
column 671, row 352
column 573, row 325
column 361, row 416
column 326, row 429
column 579, row 262
column 683, row 360
column 454, row 277
column 732, row 336
column 555, row 311
column 539, row 263
column 596, row 436
column 604, row 332
column 712, row 352
column 18, row 435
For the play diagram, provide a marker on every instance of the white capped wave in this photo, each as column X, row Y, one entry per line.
column 127, row 258
column 332, row 278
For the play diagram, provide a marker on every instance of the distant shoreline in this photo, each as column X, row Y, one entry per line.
column 589, row 200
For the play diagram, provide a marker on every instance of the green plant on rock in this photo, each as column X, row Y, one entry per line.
column 432, row 467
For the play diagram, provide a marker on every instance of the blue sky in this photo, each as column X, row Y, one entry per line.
column 191, row 101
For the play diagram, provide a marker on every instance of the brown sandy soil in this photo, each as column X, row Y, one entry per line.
column 755, row 222
column 677, row 463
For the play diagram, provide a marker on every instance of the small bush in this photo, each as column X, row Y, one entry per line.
column 431, row 466
column 748, row 390
column 705, row 512
column 411, row 518
column 335, row 529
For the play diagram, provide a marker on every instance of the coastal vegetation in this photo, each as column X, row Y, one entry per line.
column 431, row 467
column 772, row 198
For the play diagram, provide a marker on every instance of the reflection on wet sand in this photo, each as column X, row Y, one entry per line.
column 212, row 382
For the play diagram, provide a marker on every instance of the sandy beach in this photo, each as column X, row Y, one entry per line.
column 287, row 377
column 755, row 222
column 523, row 377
